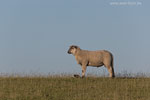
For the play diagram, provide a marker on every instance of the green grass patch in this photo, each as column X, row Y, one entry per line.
column 68, row 88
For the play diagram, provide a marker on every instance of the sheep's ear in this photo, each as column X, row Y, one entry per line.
column 76, row 47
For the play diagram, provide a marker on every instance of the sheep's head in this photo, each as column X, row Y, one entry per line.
column 73, row 49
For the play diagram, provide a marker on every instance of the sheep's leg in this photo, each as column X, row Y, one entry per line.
column 83, row 70
column 111, row 71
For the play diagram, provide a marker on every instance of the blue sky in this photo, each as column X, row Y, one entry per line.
column 36, row 34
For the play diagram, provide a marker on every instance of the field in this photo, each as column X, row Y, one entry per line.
column 69, row 88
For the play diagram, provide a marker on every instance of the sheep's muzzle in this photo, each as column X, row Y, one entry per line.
column 69, row 52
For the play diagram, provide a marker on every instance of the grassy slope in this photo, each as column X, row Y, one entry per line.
column 67, row 88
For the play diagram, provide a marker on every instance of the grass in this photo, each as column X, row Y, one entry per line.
column 68, row 88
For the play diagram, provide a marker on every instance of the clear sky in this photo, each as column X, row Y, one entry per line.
column 36, row 34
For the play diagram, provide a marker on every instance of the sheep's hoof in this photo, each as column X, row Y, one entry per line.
column 83, row 76
column 76, row 76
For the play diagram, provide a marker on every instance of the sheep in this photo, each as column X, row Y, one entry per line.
column 92, row 58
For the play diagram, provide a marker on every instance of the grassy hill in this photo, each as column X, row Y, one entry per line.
column 68, row 88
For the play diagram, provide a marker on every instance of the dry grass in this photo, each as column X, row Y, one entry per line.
column 68, row 88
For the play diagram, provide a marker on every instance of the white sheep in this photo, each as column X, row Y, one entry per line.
column 92, row 58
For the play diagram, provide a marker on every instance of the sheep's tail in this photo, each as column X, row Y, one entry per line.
column 112, row 64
